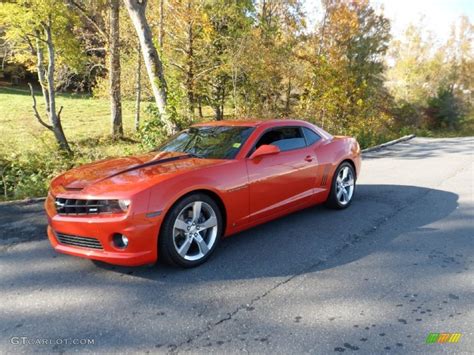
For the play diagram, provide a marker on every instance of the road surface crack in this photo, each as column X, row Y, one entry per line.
column 350, row 241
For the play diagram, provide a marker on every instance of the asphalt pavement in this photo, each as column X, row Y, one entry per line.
column 377, row 277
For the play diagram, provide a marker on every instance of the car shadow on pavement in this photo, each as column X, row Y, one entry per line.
column 245, row 268
column 309, row 240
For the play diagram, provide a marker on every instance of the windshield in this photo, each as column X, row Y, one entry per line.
column 213, row 142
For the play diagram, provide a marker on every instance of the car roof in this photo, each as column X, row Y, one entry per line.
column 245, row 123
column 249, row 123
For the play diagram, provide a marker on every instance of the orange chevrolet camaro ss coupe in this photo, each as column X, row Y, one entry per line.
column 207, row 182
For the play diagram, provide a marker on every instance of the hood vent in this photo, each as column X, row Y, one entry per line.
column 70, row 188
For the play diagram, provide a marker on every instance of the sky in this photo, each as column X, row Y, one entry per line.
column 436, row 15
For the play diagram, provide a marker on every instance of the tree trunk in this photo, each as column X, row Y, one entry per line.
column 218, row 112
column 323, row 28
column 54, row 117
column 190, row 69
column 218, row 101
column 201, row 116
column 162, row 25
column 222, row 104
column 288, row 98
column 234, row 88
column 153, row 64
column 114, row 70
column 138, row 89
column 41, row 71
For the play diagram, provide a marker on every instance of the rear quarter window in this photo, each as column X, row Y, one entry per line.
column 311, row 136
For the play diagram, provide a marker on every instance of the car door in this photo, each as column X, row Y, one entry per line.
column 283, row 180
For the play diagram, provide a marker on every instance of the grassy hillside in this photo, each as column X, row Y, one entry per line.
column 28, row 155
column 84, row 119
column 29, row 158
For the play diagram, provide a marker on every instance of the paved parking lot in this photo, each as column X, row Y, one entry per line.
column 375, row 278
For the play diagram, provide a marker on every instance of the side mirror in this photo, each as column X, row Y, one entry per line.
column 265, row 149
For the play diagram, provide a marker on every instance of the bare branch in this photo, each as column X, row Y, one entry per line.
column 90, row 19
column 36, row 35
column 30, row 44
column 37, row 115
column 98, row 49
column 178, row 66
column 59, row 112
column 97, row 65
column 207, row 70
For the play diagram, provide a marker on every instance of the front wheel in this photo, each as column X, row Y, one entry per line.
column 191, row 231
column 343, row 187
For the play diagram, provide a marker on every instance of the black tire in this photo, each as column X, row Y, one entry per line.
column 333, row 201
column 166, row 244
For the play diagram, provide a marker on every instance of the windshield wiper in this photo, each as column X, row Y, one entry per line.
column 194, row 155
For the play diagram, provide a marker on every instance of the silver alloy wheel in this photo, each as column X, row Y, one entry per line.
column 344, row 185
column 195, row 231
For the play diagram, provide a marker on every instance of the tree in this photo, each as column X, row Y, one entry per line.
column 98, row 38
column 138, row 89
column 433, row 82
column 444, row 110
column 38, row 27
column 229, row 24
column 459, row 54
column 418, row 69
column 185, row 50
column 271, row 78
column 153, row 64
column 114, row 72
column 345, row 92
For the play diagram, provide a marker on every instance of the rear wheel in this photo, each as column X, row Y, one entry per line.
column 191, row 231
column 343, row 187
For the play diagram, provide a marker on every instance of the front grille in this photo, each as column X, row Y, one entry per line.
column 84, row 242
column 66, row 206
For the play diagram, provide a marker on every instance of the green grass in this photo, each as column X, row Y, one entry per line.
column 84, row 118
column 86, row 123
column 29, row 157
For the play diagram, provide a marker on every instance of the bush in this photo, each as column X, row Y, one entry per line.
column 444, row 110
column 407, row 115
column 28, row 174
column 152, row 131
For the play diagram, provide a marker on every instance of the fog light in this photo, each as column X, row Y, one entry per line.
column 120, row 241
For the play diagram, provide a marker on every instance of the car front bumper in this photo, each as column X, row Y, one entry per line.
column 141, row 231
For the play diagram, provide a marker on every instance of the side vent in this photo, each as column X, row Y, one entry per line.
column 324, row 180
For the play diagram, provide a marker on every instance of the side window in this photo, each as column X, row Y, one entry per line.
column 285, row 138
column 311, row 136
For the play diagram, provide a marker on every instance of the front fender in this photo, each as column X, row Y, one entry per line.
column 228, row 181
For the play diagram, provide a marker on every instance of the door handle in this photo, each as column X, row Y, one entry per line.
column 308, row 158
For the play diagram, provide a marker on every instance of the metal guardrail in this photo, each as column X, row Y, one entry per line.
column 387, row 144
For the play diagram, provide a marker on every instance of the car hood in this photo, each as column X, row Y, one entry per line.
column 130, row 173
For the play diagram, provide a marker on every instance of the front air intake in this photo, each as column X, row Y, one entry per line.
column 74, row 240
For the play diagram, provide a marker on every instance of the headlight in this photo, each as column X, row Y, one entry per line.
column 117, row 206
column 124, row 204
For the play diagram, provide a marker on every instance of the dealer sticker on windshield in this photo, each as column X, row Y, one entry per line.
column 236, row 145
